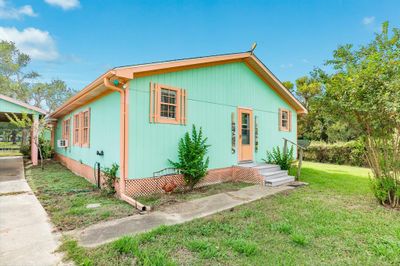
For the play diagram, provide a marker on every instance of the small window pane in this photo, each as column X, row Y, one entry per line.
column 245, row 136
column 164, row 110
column 245, row 129
column 168, row 96
column 284, row 115
column 171, row 112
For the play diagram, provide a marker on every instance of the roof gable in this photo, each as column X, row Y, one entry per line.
column 97, row 88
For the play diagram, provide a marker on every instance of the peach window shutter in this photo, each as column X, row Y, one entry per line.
column 183, row 104
column 290, row 120
column 88, row 129
column 280, row 119
column 63, row 129
column 152, row 102
column 68, row 131
column 74, row 137
column 80, row 132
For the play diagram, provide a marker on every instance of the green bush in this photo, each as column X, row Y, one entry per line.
column 284, row 160
column 192, row 162
column 47, row 150
column 349, row 153
column 386, row 189
column 110, row 175
column 25, row 150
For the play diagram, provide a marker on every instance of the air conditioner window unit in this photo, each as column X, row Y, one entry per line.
column 62, row 143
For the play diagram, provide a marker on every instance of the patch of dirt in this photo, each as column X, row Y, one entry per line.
column 13, row 193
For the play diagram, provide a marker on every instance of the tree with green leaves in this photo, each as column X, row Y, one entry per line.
column 26, row 122
column 51, row 95
column 20, row 84
column 192, row 161
column 14, row 80
column 364, row 91
column 288, row 85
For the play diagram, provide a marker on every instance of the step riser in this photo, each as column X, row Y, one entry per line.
column 278, row 175
column 270, row 170
column 271, row 183
column 273, row 175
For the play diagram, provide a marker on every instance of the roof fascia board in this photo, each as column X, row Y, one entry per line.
column 20, row 103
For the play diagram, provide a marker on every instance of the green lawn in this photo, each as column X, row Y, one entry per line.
column 158, row 201
column 65, row 196
column 9, row 153
column 9, row 145
column 334, row 220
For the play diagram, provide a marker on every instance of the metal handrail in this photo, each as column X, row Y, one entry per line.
column 301, row 149
column 166, row 171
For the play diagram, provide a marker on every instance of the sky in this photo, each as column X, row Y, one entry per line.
column 77, row 41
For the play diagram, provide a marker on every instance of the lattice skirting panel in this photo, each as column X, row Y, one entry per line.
column 147, row 186
column 154, row 185
column 247, row 175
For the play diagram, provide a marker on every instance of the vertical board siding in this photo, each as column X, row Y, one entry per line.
column 213, row 94
column 104, row 133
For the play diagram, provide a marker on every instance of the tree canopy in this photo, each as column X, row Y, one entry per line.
column 19, row 83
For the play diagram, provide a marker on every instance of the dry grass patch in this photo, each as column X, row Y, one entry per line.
column 65, row 197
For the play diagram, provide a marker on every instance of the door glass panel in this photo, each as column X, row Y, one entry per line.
column 245, row 129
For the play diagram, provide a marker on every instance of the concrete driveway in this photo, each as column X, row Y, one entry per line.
column 26, row 236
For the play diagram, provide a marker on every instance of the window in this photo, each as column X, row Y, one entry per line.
column 81, row 132
column 246, row 128
column 167, row 104
column 285, row 120
column 85, row 128
column 66, row 129
column 77, row 130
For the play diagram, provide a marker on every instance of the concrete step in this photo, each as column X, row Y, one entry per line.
column 247, row 164
column 279, row 181
column 275, row 174
column 267, row 168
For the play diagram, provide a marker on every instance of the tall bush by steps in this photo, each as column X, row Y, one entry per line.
column 192, row 163
column 283, row 159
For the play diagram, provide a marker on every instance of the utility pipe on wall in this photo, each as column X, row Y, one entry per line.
column 123, row 145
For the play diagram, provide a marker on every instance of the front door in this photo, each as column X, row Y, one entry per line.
column 245, row 130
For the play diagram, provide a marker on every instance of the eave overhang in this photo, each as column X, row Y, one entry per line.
column 96, row 89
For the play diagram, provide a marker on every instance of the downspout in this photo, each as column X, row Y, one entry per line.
column 123, row 145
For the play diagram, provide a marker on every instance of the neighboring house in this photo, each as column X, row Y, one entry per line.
column 135, row 115
column 10, row 106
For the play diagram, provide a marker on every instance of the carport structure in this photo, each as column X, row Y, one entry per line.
column 9, row 106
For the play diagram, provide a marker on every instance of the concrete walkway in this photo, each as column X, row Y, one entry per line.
column 108, row 231
column 26, row 236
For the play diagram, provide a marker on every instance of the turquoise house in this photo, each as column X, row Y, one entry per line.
column 135, row 115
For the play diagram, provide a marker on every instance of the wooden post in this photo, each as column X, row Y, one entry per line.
column 34, row 139
column 285, row 146
column 299, row 166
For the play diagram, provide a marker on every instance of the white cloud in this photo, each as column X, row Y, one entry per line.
column 64, row 4
column 34, row 42
column 368, row 20
column 9, row 12
column 305, row 61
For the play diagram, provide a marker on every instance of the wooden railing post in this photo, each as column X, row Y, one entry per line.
column 299, row 166
column 285, row 146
